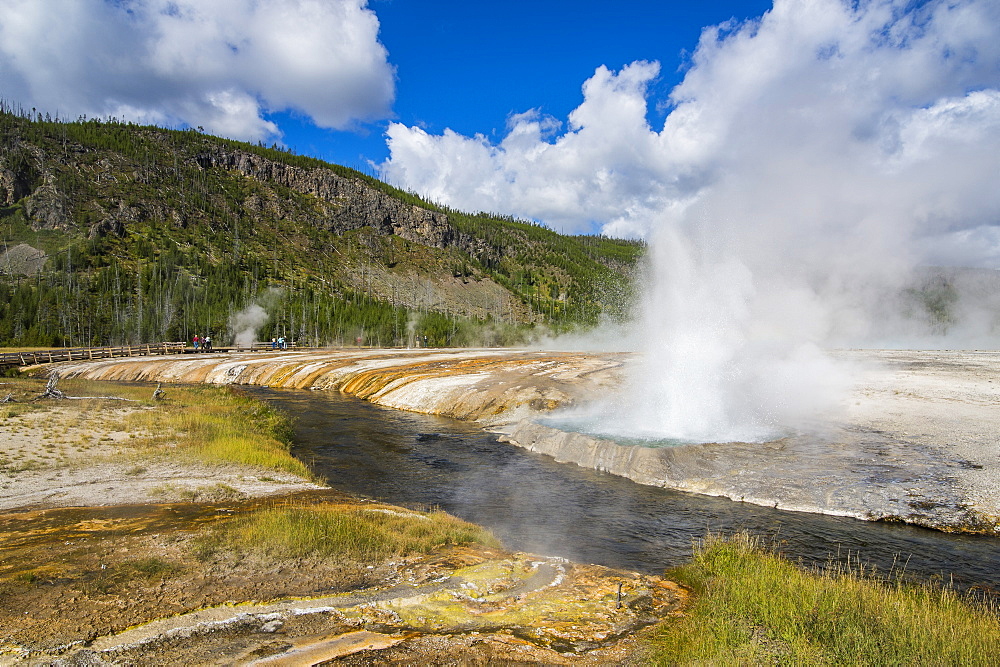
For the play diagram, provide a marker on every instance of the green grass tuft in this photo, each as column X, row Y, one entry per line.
column 754, row 607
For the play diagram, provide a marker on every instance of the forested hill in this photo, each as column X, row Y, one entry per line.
column 117, row 233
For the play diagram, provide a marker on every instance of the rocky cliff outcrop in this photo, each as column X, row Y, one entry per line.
column 343, row 204
column 350, row 204
column 48, row 208
column 25, row 177
column 19, row 174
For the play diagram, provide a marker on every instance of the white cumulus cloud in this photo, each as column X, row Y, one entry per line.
column 222, row 64
column 570, row 178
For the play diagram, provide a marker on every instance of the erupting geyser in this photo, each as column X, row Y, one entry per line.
column 813, row 165
column 717, row 363
column 813, row 160
column 726, row 354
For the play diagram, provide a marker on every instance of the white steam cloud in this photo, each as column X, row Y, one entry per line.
column 245, row 324
column 811, row 160
column 608, row 168
column 222, row 64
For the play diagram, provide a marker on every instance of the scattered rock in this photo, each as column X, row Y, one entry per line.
column 22, row 260
column 272, row 626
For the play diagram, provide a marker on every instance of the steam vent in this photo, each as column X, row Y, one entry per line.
column 915, row 442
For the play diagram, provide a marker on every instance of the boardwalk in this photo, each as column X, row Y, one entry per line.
column 15, row 359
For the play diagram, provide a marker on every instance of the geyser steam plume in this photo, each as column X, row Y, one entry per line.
column 245, row 324
column 830, row 148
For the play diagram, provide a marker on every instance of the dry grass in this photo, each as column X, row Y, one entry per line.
column 361, row 534
column 204, row 424
column 217, row 425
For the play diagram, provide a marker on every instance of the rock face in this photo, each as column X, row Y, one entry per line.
column 18, row 174
column 347, row 204
column 47, row 208
column 352, row 204
column 917, row 443
column 341, row 204
column 23, row 178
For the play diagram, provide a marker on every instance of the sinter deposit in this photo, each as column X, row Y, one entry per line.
column 916, row 440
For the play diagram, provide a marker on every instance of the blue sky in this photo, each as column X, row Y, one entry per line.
column 869, row 126
column 469, row 65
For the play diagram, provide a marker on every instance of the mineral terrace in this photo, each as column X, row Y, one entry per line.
column 916, row 441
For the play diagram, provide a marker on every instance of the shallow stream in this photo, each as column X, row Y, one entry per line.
column 534, row 504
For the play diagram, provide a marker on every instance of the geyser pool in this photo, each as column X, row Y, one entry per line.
column 602, row 427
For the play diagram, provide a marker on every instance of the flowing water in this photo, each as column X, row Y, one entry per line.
column 535, row 504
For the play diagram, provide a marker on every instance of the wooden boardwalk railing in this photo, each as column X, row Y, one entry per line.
column 15, row 359
column 12, row 359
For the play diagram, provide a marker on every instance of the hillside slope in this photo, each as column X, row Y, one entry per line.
column 118, row 233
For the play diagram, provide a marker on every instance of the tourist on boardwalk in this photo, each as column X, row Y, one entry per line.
column 197, row 342
column 208, row 343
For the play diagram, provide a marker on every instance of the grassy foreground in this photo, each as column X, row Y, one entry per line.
column 218, row 425
column 208, row 424
column 750, row 606
column 198, row 423
column 753, row 607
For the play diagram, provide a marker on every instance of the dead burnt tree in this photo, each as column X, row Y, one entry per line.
column 52, row 391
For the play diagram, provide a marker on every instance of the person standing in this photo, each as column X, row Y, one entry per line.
column 197, row 342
